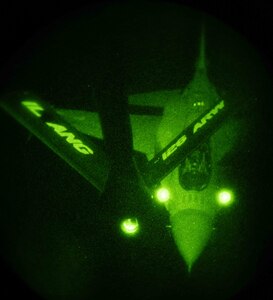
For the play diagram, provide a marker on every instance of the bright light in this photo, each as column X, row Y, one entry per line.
column 130, row 226
column 162, row 195
column 33, row 107
column 225, row 197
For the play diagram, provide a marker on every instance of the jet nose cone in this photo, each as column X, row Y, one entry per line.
column 191, row 230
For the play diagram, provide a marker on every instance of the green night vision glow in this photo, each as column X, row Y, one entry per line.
column 199, row 103
column 33, row 107
column 70, row 138
column 191, row 230
column 225, row 197
column 162, row 195
column 130, row 226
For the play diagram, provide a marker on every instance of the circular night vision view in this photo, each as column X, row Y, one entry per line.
column 135, row 171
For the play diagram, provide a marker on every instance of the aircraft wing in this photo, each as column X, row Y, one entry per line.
column 83, row 153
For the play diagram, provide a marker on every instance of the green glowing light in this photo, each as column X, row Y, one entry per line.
column 70, row 138
column 225, row 198
column 130, row 226
column 33, row 107
column 199, row 103
column 162, row 195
